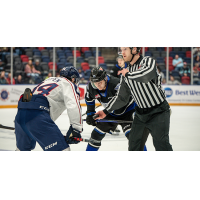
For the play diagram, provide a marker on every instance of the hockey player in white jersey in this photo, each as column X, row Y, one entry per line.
column 37, row 111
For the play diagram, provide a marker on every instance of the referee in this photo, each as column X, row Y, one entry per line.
column 152, row 111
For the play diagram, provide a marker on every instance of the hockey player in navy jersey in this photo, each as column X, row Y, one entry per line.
column 104, row 88
column 37, row 111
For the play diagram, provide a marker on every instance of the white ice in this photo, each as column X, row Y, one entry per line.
column 184, row 131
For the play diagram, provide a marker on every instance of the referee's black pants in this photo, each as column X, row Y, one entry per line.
column 157, row 121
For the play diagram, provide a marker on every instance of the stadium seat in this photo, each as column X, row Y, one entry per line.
column 40, row 48
column 83, row 49
column 172, row 54
column 188, row 54
column 87, row 74
column 59, row 51
column 176, row 75
column 103, row 65
column 87, row 54
column 176, row 48
column 100, row 60
column 148, row 53
column 94, row 53
column 70, row 59
column 68, row 64
column 160, row 48
column 185, row 80
column 17, row 60
column 49, row 48
column 79, row 60
column 92, row 61
column 160, row 60
column 171, row 68
column 152, row 49
column 61, row 54
column 45, row 59
column 37, row 53
column 67, row 51
column 163, row 54
column 170, row 49
column 50, row 64
column 187, row 60
column 60, row 66
column 62, row 60
column 181, row 54
column 66, row 48
column 78, row 53
column 45, row 52
column 85, row 66
column 156, row 54
column 25, row 59
column 68, row 54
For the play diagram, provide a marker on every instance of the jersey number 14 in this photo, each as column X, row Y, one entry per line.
column 45, row 89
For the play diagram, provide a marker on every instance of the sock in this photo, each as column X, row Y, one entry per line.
column 90, row 148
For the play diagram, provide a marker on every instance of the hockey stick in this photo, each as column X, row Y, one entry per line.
column 7, row 127
column 95, row 108
column 113, row 121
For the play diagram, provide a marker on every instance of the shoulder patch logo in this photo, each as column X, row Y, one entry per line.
column 97, row 96
column 117, row 87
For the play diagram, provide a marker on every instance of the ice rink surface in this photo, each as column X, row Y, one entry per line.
column 184, row 131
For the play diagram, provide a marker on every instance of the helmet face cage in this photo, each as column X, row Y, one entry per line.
column 97, row 74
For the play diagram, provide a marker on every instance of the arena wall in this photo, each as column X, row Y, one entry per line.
column 184, row 95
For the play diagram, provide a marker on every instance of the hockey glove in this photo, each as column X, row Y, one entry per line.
column 90, row 120
column 71, row 134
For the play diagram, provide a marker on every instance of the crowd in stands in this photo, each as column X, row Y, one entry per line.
column 34, row 64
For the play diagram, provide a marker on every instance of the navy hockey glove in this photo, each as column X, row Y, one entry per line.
column 90, row 120
column 71, row 133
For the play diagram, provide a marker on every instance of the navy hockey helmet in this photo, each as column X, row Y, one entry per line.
column 98, row 74
column 69, row 73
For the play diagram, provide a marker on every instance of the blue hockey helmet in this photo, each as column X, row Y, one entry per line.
column 69, row 73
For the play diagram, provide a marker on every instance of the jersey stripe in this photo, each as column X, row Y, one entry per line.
column 75, row 98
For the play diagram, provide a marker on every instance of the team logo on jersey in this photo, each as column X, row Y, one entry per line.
column 117, row 87
column 97, row 96
column 4, row 95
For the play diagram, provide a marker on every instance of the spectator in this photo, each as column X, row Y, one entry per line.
column 172, row 81
column 57, row 75
column 9, row 79
column 32, row 73
column 196, row 51
column 177, row 62
column 119, row 66
column 196, row 76
column 163, row 81
column 2, row 65
column 82, row 76
column 197, row 59
column 38, row 66
column 161, row 73
column 3, row 79
column 196, row 65
column 49, row 75
column 19, row 80
column 185, row 71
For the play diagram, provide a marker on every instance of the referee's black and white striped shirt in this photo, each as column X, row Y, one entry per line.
column 144, row 83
